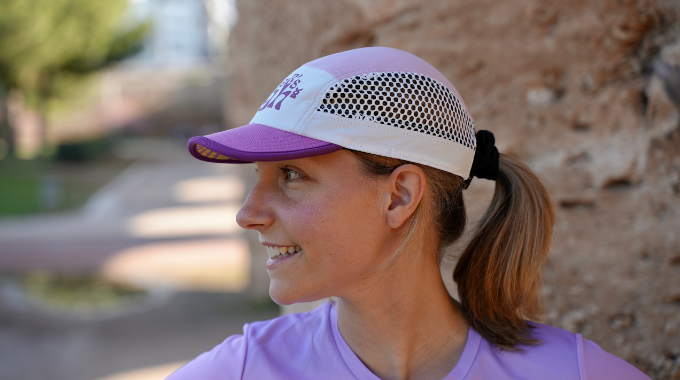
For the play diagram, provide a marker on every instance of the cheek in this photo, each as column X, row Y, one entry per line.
column 338, row 230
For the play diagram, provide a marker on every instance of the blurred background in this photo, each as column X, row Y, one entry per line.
column 119, row 254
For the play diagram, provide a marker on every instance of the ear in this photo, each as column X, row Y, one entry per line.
column 406, row 187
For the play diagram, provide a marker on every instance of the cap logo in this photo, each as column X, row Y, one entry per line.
column 287, row 89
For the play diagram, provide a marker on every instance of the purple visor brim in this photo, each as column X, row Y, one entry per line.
column 256, row 142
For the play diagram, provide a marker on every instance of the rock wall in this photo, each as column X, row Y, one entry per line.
column 586, row 92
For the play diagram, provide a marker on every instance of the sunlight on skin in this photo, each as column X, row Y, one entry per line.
column 185, row 221
column 209, row 189
column 215, row 265
column 328, row 208
column 151, row 373
column 348, row 226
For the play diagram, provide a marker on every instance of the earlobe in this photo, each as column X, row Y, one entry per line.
column 407, row 187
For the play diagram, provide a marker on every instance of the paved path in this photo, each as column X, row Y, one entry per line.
column 148, row 215
column 81, row 241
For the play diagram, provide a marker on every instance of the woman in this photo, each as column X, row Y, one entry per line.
column 362, row 160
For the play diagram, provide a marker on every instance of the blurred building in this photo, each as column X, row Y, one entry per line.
column 180, row 34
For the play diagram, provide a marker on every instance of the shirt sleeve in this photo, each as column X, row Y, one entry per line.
column 598, row 364
column 224, row 362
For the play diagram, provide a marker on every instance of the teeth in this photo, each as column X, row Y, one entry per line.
column 280, row 252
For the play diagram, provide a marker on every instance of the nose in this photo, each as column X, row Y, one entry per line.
column 255, row 213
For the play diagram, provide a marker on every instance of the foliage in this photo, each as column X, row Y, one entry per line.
column 83, row 150
column 49, row 47
column 79, row 294
column 44, row 40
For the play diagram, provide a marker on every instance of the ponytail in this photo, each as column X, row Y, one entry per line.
column 499, row 273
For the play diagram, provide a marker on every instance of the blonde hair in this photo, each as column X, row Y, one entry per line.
column 499, row 273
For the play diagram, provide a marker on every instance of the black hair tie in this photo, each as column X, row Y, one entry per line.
column 485, row 163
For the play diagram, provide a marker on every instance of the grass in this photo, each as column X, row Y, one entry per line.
column 18, row 196
column 19, row 186
column 45, row 185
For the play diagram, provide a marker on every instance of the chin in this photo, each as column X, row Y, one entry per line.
column 283, row 294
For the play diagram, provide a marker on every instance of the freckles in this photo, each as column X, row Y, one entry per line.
column 304, row 221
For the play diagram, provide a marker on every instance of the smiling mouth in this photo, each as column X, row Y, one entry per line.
column 281, row 252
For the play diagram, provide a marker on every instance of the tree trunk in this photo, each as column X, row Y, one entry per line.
column 42, row 108
column 6, row 131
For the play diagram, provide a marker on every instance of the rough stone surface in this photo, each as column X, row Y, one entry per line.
column 586, row 92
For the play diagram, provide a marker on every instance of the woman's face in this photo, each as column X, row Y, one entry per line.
column 328, row 213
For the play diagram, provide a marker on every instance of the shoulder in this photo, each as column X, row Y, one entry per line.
column 560, row 354
column 599, row 364
column 554, row 357
column 224, row 362
column 238, row 355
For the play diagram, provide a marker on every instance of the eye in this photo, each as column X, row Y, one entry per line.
column 291, row 175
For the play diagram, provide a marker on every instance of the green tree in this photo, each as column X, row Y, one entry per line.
column 48, row 45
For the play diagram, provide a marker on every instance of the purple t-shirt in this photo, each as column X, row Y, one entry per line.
column 310, row 346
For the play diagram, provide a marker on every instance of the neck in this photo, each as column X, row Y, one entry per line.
column 405, row 325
